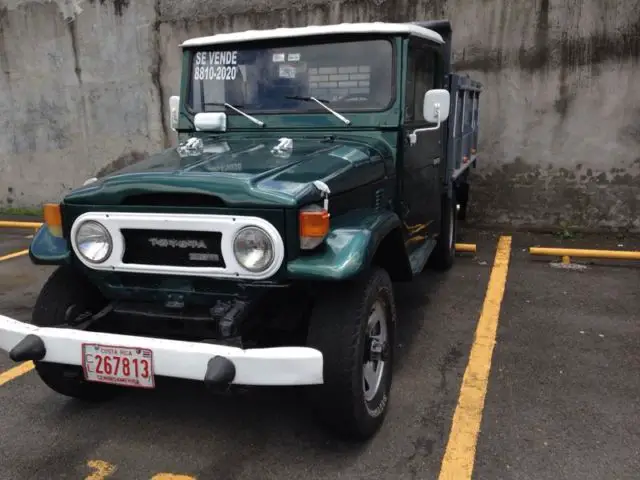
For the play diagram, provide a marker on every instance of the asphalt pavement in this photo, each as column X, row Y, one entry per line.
column 564, row 393
column 562, row 397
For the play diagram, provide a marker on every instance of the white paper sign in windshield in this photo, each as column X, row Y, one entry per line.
column 215, row 66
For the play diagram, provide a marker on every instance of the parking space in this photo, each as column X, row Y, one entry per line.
column 14, row 240
column 562, row 390
column 19, row 279
column 564, row 393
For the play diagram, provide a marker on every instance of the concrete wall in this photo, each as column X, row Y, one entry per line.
column 84, row 87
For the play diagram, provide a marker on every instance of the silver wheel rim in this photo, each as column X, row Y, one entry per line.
column 376, row 338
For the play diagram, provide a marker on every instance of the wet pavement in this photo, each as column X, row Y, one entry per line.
column 562, row 398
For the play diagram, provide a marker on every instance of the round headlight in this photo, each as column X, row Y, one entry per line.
column 253, row 249
column 94, row 242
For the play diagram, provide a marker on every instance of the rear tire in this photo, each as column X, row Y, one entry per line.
column 462, row 196
column 68, row 291
column 444, row 253
column 349, row 324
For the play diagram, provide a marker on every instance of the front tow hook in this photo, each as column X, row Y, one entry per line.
column 30, row 347
column 220, row 371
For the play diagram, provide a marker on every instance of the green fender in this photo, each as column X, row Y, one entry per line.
column 47, row 249
column 350, row 247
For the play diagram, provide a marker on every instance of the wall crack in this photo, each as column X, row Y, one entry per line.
column 71, row 26
column 156, row 74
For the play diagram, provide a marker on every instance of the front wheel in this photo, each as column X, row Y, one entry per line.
column 354, row 328
column 65, row 295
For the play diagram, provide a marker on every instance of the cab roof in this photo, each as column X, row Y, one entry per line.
column 294, row 32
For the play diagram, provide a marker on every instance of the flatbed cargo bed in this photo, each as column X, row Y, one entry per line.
column 463, row 124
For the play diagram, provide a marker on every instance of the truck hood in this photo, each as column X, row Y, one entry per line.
column 250, row 171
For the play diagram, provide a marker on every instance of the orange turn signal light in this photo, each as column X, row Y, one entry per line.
column 314, row 223
column 53, row 218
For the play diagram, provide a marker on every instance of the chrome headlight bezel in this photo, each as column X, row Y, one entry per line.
column 107, row 236
column 271, row 250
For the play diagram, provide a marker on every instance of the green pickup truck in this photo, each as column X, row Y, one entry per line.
column 315, row 166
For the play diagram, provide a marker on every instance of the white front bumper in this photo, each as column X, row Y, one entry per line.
column 179, row 359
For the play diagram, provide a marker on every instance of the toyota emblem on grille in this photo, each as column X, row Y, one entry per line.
column 173, row 243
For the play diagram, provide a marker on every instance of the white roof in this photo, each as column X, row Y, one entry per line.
column 362, row 28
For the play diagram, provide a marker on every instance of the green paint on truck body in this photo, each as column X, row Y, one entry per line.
column 239, row 176
column 236, row 172
column 349, row 248
column 240, row 171
column 47, row 249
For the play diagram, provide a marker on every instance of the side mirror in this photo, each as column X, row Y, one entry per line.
column 174, row 109
column 435, row 106
column 435, row 109
column 213, row 121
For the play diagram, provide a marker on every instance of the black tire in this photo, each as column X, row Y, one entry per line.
column 444, row 253
column 338, row 328
column 64, row 290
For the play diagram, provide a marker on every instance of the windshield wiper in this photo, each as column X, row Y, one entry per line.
column 320, row 102
column 237, row 110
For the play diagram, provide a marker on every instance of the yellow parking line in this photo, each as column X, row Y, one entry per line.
column 15, row 372
column 25, row 367
column 14, row 255
column 171, row 476
column 101, row 469
column 459, row 456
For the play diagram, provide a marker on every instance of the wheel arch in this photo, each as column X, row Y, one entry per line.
column 391, row 255
column 357, row 240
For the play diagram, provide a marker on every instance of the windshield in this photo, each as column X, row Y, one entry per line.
column 348, row 76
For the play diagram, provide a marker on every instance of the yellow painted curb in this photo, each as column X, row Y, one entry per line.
column 466, row 247
column 567, row 253
column 11, row 224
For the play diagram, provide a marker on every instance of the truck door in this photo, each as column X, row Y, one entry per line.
column 421, row 162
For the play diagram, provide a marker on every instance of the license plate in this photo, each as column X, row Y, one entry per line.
column 126, row 366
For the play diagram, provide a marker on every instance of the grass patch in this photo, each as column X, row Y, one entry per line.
column 21, row 211
column 565, row 232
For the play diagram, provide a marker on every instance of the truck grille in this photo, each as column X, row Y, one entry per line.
column 172, row 247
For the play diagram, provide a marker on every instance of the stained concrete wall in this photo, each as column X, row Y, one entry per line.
column 84, row 88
